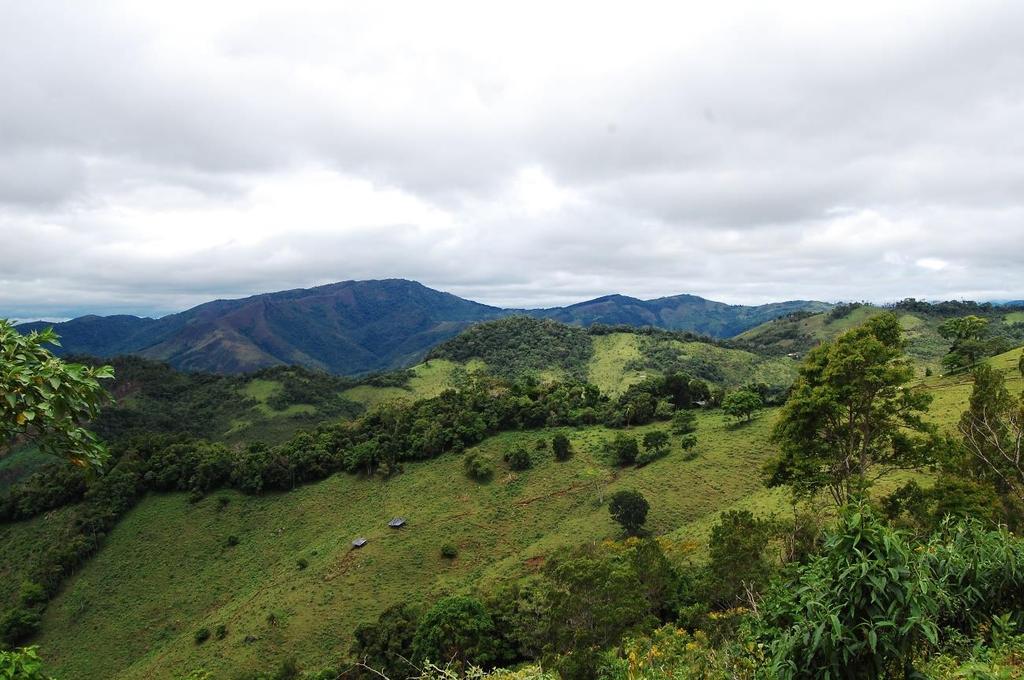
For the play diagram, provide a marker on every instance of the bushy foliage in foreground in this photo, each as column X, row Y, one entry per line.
column 871, row 606
column 46, row 400
column 21, row 664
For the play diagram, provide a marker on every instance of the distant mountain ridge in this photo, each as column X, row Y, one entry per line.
column 354, row 327
column 677, row 313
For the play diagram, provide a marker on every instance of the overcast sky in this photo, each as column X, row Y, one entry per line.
column 157, row 155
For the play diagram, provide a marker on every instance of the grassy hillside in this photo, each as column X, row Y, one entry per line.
column 166, row 569
column 952, row 393
column 798, row 333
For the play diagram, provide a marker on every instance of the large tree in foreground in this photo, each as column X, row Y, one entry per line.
column 851, row 416
column 45, row 400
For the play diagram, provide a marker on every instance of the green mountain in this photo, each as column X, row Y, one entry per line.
column 678, row 312
column 357, row 327
column 346, row 328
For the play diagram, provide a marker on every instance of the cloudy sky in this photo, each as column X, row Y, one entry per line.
column 157, row 155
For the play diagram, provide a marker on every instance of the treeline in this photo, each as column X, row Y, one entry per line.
column 953, row 307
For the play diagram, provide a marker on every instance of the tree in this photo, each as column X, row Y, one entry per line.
column 688, row 442
column 742, row 404
column 629, row 509
column 655, row 446
column 684, row 422
column 623, row 449
column 594, row 598
column 967, row 346
column 963, row 328
column 850, row 417
column 386, row 646
column 561, row 447
column 519, row 459
column 738, row 565
column 993, row 430
column 457, row 630
column 47, row 400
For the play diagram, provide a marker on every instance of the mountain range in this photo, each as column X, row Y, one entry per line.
column 355, row 327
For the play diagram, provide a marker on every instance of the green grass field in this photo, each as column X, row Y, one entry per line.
column 165, row 571
column 607, row 367
column 952, row 393
column 429, row 379
column 1014, row 317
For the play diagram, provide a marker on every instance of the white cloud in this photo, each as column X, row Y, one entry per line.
column 153, row 156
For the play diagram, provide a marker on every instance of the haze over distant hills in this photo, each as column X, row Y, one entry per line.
column 355, row 327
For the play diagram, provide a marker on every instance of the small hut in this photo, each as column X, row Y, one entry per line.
column 359, row 542
column 397, row 523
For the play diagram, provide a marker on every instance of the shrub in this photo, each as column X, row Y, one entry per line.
column 449, row 551
column 477, row 466
column 623, row 449
column 202, row 635
column 684, row 422
column 561, row 447
column 864, row 608
column 231, row 541
column 519, row 459
column 301, row 563
column 221, row 631
column 32, row 594
column 223, row 502
column 688, row 442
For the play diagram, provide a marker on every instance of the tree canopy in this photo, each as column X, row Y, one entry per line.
column 742, row 404
column 851, row 416
column 629, row 509
column 47, row 400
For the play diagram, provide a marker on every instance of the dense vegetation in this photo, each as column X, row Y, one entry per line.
column 521, row 345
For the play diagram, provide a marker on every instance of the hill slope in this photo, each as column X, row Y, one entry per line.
column 132, row 610
column 796, row 333
column 357, row 327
